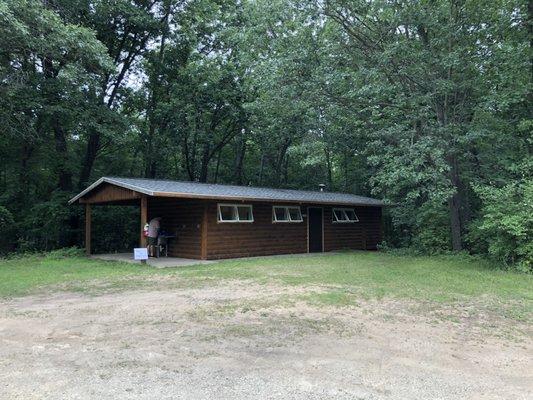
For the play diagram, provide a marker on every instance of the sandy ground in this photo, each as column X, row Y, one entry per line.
column 243, row 341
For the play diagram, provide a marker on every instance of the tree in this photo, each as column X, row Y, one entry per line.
column 425, row 104
column 425, row 67
column 46, row 66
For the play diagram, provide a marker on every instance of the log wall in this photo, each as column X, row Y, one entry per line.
column 218, row 240
column 183, row 219
column 362, row 235
column 260, row 238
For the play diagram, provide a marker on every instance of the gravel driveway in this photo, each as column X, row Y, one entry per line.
column 241, row 340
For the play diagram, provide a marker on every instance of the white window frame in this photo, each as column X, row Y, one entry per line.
column 289, row 220
column 343, row 210
column 235, row 212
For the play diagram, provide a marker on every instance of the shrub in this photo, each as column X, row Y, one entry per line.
column 506, row 223
column 432, row 229
column 8, row 231
column 67, row 252
column 48, row 225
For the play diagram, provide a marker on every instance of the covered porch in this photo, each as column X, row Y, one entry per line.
column 110, row 195
column 183, row 222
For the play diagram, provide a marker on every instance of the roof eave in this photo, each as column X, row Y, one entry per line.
column 265, row 199
column 113, row 182
column 215, row 197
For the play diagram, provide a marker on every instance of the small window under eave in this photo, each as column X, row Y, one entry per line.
column 344, row 215
column 235, row 213
column 286, row 214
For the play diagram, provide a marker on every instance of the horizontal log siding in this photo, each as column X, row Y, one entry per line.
column 106, row 193
column 362, row 235
column 182, row 218
column 260, row 238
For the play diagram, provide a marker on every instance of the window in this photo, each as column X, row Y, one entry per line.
column 227, row 213
column 280, row 214
column 245, row 213
column 344, row 215
column 286, row 214
column 235, row 213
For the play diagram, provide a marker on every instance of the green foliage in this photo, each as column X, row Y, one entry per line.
column 67, row 252
column 8, row 231
column 45, row 225
column 505, row 226
column 115, row 229
column 432, row 230
column 425, row 104
column 58, row 254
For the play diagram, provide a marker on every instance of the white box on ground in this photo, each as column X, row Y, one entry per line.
column 140, row 253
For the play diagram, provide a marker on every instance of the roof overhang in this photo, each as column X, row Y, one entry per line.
column 265, row 199
column 146, row 192
column 112, row 182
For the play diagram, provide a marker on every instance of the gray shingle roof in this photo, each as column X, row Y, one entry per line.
column 156, row 187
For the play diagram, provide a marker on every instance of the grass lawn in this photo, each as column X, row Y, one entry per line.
column 342, row 278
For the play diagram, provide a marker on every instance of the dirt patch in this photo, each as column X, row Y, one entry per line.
column 241, row 340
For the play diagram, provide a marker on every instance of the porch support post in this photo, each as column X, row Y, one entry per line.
column 203, row 244
column 88, row 229
column 144, row 218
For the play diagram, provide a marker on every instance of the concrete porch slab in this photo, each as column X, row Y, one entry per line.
column 161, row 262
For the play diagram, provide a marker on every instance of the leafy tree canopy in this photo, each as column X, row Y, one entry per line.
column 426, row 104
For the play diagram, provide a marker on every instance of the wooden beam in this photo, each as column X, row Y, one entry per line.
column 203, row 244
column 88, row 229
column 144, row 219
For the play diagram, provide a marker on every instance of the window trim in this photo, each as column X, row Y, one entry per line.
column 236, row 212
column 334, row 219
column 290, row 220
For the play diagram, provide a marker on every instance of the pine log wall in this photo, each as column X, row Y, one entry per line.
column 184, row 218
column 259, row 238
column 363, row 235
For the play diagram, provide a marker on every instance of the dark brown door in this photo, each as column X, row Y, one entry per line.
column 315, row 229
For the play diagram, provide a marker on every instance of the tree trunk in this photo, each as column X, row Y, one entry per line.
column 150, row 167
column 329, row 169
column 23, row 187
column 219, row 155
column 530, row 30
column 454, row 204
column 204, row 168
column 54, row 122
column 281, row 158
column 93, row 145
column 345, row 170
column 151, row 164
column 240, row 161
column 286, row 170
column 261, row 169
column 188, row 160
column 63, row 171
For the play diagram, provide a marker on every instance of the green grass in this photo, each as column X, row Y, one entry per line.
column 375, row 275
column 22, row 276
column 333, row 279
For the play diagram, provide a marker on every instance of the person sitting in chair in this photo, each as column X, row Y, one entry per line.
column 153, row 232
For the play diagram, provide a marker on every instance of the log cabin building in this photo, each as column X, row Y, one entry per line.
column 212, row 221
